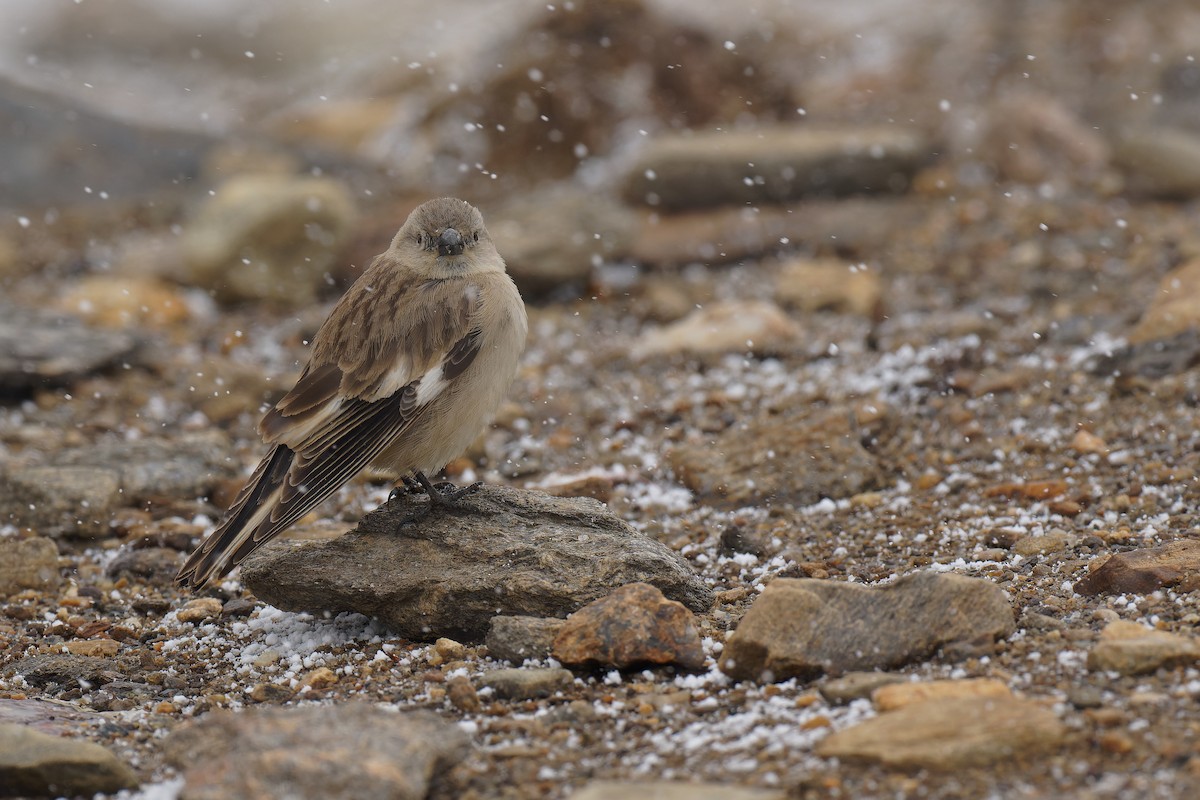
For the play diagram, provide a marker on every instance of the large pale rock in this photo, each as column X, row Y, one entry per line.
column 41, row 128
column 774, row 164
column 37, row 764
column 950, row 734
column 505, row 551
column 802, row 628
column 268, row 237
column 858, row 227
column 735, row 326
column 349, row 750
column 830, row 286
column 1175, row 307
column 552, row 240
column 1161, row 161
column 1132, row 649
column 185, row 466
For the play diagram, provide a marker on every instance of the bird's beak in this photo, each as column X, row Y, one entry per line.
column 450, row 243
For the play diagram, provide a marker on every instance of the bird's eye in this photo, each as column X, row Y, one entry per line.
column 420, row 239
column 476, row 236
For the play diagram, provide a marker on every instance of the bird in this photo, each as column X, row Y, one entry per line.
column 411, row 363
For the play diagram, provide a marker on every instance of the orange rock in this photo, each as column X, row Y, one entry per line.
column 1033, row 490
column 633, row 625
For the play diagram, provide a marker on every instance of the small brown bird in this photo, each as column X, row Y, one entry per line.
column 409, row 366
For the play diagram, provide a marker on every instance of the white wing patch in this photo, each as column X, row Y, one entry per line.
column 432, row 384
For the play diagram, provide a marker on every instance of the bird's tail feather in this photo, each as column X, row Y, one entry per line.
column 218, row 554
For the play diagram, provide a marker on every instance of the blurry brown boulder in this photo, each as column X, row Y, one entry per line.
column 573, row 80
column 551, row 240
column 28, row 564
column 269, row 238
column 1032, row 137
column 856, row 227
column 71, row 501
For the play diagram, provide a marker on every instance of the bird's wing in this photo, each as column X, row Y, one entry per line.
column 342, row 414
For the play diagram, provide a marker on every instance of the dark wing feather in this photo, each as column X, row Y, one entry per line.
column 268, row 476
column 316, row 387
column 319, row 472
column 462, row 354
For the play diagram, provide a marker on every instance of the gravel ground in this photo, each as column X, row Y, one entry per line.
column 969, row 411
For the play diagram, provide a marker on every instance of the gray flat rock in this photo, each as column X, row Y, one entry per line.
column 349, row 750
column 802, row 628
column 775, row 164
column 38, row 348
column 506, row 551
column 187, row 466
column 518, row 638
column 527, row 684
column 60, row 501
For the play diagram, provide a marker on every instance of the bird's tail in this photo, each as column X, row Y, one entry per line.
column 235, row 537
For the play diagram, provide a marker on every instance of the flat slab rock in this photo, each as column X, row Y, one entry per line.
column 507, row 551
column 349, row 750
column 42, row 349
column 39, row 764
column 950, row 734
column 802, row 628
column 184, row 466
column 774, row 164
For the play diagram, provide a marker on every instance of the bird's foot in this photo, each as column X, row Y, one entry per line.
column 443, row 494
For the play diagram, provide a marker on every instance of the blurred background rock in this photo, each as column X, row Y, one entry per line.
column 264, row 151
